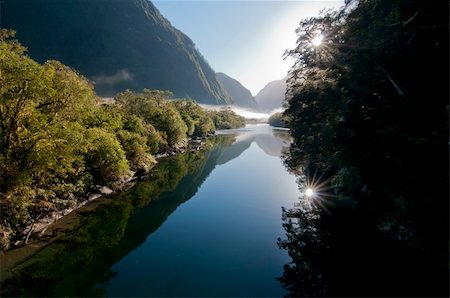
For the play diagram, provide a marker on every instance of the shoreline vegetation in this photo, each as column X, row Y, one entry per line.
column 277, row 120
column 55, row 225
column 61, row 146
column 36, row 230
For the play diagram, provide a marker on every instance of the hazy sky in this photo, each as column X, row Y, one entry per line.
column 243, row 39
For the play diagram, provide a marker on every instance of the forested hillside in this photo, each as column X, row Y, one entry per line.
column 116, row 44
column 240, row 95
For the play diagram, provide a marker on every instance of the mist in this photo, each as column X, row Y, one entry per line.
column 122, row 75
column 244, row 112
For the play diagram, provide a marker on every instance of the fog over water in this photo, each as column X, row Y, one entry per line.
column 244, row 112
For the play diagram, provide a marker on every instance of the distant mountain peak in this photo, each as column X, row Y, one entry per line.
column 240, row 95
column 271, row 97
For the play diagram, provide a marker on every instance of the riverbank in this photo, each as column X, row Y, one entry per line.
column 161, row 223
column 50, row 233
column 56, row 224
column 39, row 228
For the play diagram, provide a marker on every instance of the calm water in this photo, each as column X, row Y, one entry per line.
column 206, row 225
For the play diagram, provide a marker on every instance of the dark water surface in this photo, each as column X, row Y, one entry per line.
column 205, row 224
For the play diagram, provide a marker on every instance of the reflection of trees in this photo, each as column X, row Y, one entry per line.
column 78, row 260
column 158, row 198
column 337, row 250
column 302, row 277
column 69, row 265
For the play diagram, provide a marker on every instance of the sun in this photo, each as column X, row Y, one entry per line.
column 309, row 192
column 316, row 41
column 315, row 187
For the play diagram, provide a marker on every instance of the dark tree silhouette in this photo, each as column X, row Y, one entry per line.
column 368, row 107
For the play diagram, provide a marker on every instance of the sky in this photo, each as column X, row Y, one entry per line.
column 244, row 39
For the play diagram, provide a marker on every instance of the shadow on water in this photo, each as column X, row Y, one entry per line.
column 73, row 264
column 337, row 250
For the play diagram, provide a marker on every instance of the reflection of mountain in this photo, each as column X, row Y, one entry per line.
column 270, row 140
column 274, row 143
column 148, row 219
column 73, row 265
column 271, row 97
column 241, row 143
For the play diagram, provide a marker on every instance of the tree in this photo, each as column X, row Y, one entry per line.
column 104, row 157
column 195, row 118
column 42, row 111
column 153, row 108
column 368, row 109
column 277, row 120
column 33, row 97
column 226, row 118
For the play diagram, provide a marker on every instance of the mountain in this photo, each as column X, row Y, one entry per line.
column 117, row 44
column 271, row 97
column 240, row 95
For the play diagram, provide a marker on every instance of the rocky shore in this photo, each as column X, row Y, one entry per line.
column 37, row 229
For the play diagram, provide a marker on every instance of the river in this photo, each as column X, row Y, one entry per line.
column 206, row 223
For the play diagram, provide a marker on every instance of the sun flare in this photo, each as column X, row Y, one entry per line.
column 316, row 41
column 309, row 192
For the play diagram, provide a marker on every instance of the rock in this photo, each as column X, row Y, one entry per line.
column 106, row 190
column 45, row 205
column 160, row 155
column 4, row 239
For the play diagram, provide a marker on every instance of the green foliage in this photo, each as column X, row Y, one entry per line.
column 49, row 157
column 56, row 160
column 108, row 117
column 58, row 140
column 277, row 120
column 195, row 118
column 136, row 125
column 34, row 97
column 153, row 108
column 40, row 108
column 226, row 118
column 137, row 151
column 137, row 138
column 104, row 157
column 355, row 101
column 86, row 254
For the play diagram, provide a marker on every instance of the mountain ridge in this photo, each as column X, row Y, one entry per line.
column 271, row 97
column 116, row 44
column 239, row 94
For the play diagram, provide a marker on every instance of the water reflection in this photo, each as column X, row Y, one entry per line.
column 73, row 264
column 271, row 140
column 222, row 242
column 337, row 250
column 81, row 260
